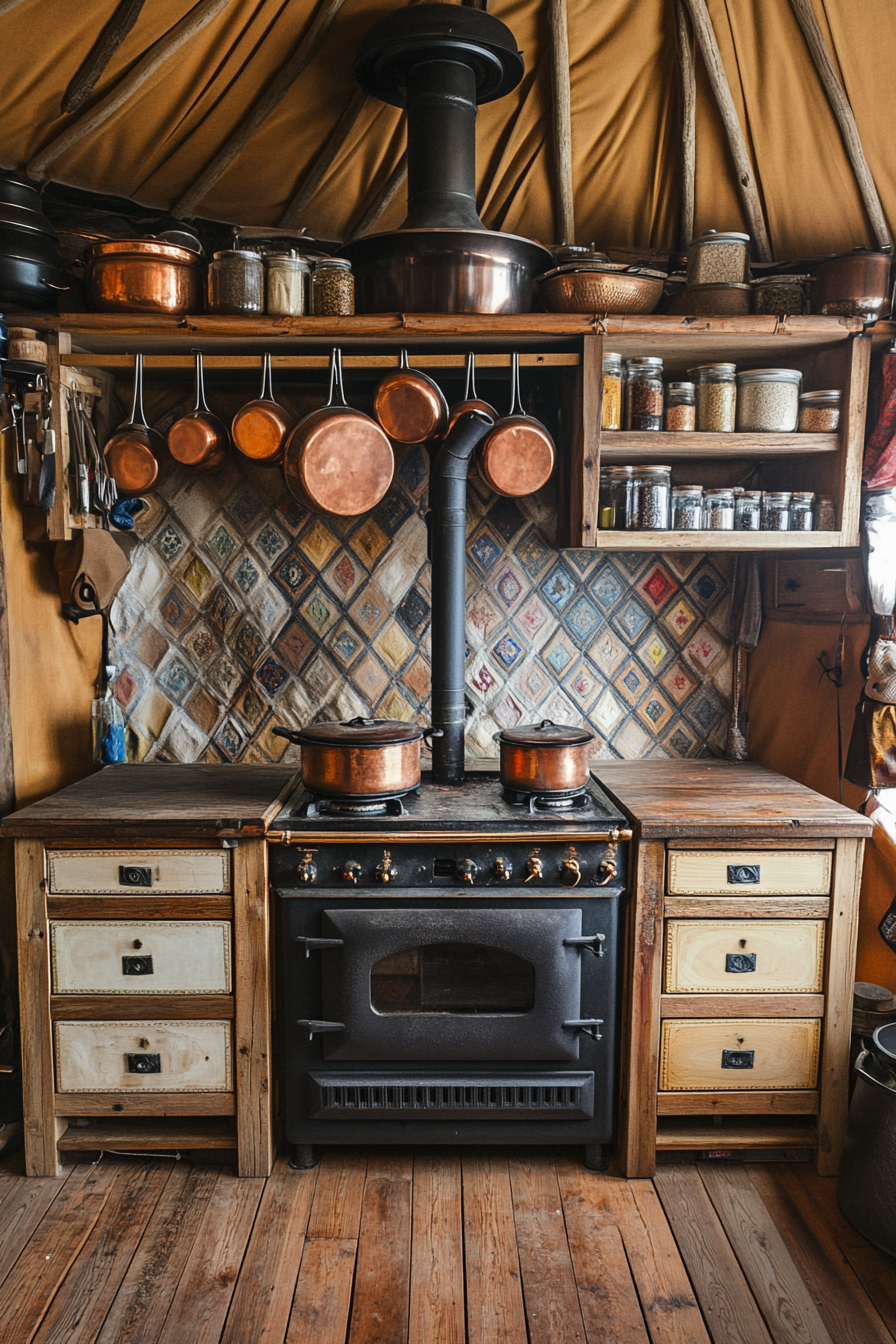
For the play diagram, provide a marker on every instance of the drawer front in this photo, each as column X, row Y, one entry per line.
column 735, row 1055
column 143, row 1057
column 137, row 957
column 741, row 872
column 137, row 872
column 744, row 956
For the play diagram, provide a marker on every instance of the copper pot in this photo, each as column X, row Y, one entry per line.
column 544, row 757
column 363, row 758
column 409, row 405
column 470, row 400
column 517, row 456
column 199, row 439
column 856, row 284
column 600, row 286
column 140, row 275
column 130, row 459
column 260, row 429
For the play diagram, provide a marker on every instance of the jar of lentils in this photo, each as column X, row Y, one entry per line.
column 719, row 258
column 825, row 514
column 716, row 396
column 819, row 412
column 778, row 295
column 654, row 486
column 802, row 515
column 332, row 288
column 748, row 511
column 285, row 281
column 776, row 511
column 624, row 495
column 611, row 403
column 718, row 510
column 687, row 508
column 236, row 282
column 680, row 408
column 768, row 401
column 644, row 394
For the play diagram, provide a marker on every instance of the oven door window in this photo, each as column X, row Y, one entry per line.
column 452, row 978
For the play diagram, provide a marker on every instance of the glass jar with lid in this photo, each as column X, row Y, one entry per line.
column 719, row 258
column 680, row 408
column 624, row 494
column 332, row 288
column 819, row 412
column 825, row 514
column 716, row 397
column 748, row 511
column 285, row 283
column 780, row 295
column 611, row 400
column 606, row 506
column 802, row 513
column 654, row 485
column 644, row 394
column 718, row 510
column 768, row 401
column 236, row 282
column 687, row 508
column 776, row 511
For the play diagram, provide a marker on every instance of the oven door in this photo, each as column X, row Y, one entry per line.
column 443, row 984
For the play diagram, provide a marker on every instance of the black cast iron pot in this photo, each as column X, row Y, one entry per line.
column 30, row 265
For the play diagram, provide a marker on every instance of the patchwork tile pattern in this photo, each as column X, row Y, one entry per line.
column 242, row 613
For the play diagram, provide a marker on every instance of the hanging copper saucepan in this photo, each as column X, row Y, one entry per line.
column 337, row 459
column 517, row 456
column 199, row 439
column 409, row 405
column 131, row 461
column 260, row 429
column 470, row 402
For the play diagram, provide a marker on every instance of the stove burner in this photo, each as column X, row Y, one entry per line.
column 558, row 800
column 354, row 806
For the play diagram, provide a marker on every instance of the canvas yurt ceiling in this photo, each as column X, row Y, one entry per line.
column 626, row 100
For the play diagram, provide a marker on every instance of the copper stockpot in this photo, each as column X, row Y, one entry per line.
column 544, row 757
column 259, row 430
column 130, row 459
column 409, row 405
column 140, row 275
column 199, row 439
column 363, row 758
column 855, row 284
column 517, row 456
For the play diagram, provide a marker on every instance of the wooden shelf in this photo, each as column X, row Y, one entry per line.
column 318, row 363
column 125, row 1104
column 680, row 1135
column 630, row 447
column 153, row 1135
column 720, row 541
column 737, row 1103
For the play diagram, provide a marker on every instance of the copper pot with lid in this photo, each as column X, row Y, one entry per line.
column 199, row 439
column 516, row 457
column 544, row 757
column 260, row 428
column 409, row 405
column 130, row 459
column 361, row 758
column 854, row 284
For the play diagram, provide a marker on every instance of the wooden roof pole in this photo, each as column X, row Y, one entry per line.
column 321, row 166
column 712, row 59
column 688, row 124
column 101, row 53
column 562, row 121
column 383, row 199
column 7, row 5
column 177, row 37
column 842, row 110
column 278, row 87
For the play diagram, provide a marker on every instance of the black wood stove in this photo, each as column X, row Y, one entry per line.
column 447, row 968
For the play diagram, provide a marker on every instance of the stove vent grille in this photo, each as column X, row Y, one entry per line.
column 501, row 1097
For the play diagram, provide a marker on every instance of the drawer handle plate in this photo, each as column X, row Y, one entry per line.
column 144, row 1063
column 134, row 875
column 740, row 963
column 737, row 1059
column 743, row 874
column 136, row 966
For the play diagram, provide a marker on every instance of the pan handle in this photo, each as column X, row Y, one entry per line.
column 430, row 733
column 267, row 385
column 470, row 393
column 516, row 406
column 138, row 415
column 201, row 403
column 337, row 390
column 291, row 735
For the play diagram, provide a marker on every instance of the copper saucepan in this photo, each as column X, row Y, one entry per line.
column 363, row 758
column 470, row 402
column 338, row 460
column 199, row 439
column 130, row 459
column 544, row 757
column 517, row 456
column 409, row 405
column 259, row 430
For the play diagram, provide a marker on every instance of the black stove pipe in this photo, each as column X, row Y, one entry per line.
column 448, row 552
column 442, row 146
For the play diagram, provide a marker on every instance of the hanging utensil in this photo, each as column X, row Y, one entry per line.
column 338, row 460
column 516, row 458
column 129, row 455
column 199, row 439
column 470, row 402
column 409, row 405
column 260, row 429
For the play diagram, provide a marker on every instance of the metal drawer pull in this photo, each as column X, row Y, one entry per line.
column 318, row 944
column 136, row 966
column 737, row 1059
column 588, row 1026
column 588, row 941
column 144, row 1063
column 740, row 963
column 132, row 875
column 743, row 874
column 316, row 1028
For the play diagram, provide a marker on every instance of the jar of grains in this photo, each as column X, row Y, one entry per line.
column 680, row 409
column 825, row 514
column 611, row 403
column 716, row 395
column 768, row 401
column 624, row 493
column 236, row 282
column 819, row 412
column 776, row 511
column 779, row 295
column 332, row 288
column 644, row 393
column 285, row 277
column 748, row 511
column 606, row 506
column 654, row 494
column 802, row 515
column 718, row 510
column 719, row 258
column 687, row 508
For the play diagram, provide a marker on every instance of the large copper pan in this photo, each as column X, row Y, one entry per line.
column 409, row 405
column 130, row 459
column 199, row 439
column 338, row 460
column 259, row 430
column 517, row 456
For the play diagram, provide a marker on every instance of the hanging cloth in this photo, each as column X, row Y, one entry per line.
column 879, row 470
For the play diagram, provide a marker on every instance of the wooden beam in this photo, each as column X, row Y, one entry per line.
column 383, row 199
column 712, row 59
column 255, row 118
column 688, row 123
column 101, row 53
column 562, row 121
column 7, row 5
column 842, row 109
column 324, row 161
column 199, row 17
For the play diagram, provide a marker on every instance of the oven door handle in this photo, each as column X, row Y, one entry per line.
column 594, row 942
column 589, row 1026
column 318, row 944
column 317, row 1028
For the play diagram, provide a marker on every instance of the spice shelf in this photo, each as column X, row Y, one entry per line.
column 634, row 447
column 718, row 541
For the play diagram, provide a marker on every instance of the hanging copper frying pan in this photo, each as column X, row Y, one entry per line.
column 471, row 402
column 517, row 456
column 260, row 429
column 409, row 405
column 199, row 439
column 130, row 459
column 337, row 459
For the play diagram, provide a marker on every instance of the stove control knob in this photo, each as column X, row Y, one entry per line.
column 606, row 871
column 352, row 872
column 503, row 869
column 385, row 871
column 570, row 873
column 467, row 870
column 307, row 870
column 534, row 868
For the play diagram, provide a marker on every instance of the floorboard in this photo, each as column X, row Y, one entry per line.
column 436, row 1309
column 382, row 1272
column 495, row 1311
column 549, row 1286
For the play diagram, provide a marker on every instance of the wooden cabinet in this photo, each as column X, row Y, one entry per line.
column 740, row 1055
column 140, row 957
column 176, row 1057
column 744, row 956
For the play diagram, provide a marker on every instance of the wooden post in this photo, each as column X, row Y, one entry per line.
column 688, row 124
column 293, row 213
column 7, row 5
column 101, row 53
column 562, row 121
column 639, row 1064
column 42, row 1127
column 252, row 990
column 383, row 199
column 840, row 955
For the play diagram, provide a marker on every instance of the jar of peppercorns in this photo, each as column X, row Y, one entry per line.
column 332, row 288
column 644, row 394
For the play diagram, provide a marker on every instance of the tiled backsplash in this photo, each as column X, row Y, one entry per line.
column 242, row 612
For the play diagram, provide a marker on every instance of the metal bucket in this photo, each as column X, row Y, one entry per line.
column 865, row 1189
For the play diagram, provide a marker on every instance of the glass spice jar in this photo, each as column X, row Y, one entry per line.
column 624, row 493
column 606, row 505
column 718, row 510
column 780, row 295
column 681, row 412
column 332, row 288
column 644, row 394
column 285, row 280
column 748, row 511
column 718, row 258
column 716, row 397
column 819, row 412
column 768, row 401
column 654, row 493
column 611, row 402
column 825, row 514
column 236, row 282
column 687, row 508
column 776, row 511
column 802, row 516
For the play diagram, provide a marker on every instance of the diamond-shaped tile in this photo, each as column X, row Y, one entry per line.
column 607, row 652
column 222, row 542
column 125, row 687
column 292, row 573
column 247, row 644
column 203, row 710
column 506, row 711
column 395, row 706
column 482, row 615
column 220, row 611
column 176, row 610
column 608, row 586
column 344, row 575
column 559, row 709
column 368, row 541
column 653, row 651
column 294, row 645
column 658, row 587
column 607, row 713
column 558, row 587
column 583, row 562
column 344, row 643
column 631, row 620
column 413, row 470
column 533, row 682
column 582, row 619
column 631, row 681
column 395, row 574
column 414, row 611
column 483, row 679
column 655, row 711
column 632, row 562
column 249, row 707
column 269, row 610
column 582, row 685
column 244, row 573
column 391, row 513
column 484, row 548
column 370, row 678
column 293, row 517
column 684, row 561
column 507, row 650
column 679, row 743
column 319, row 610
column 246, row 506
column 271, row 675
column 202, row 642
column 704, row 647
column 370, row 610
column 229, row 739
column 559, row 652
column 678, row 682
column 631, row 741
column 680, row 619
column 183, row 740
column 705, row 586
column 418, row 679
column 318, row 543
column 534, row 554
column 196, row 575
column 176, row 678
column 269, row 542
column 505, row 517
column 169, row 542
column 393, row 645
column 510, row 586
column 151, row 646
column 224, row 675
column 705, row 711
column 319, row 676
column 532, row 617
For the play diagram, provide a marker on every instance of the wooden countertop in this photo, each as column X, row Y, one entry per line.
column 189, row 801
column 669, row 799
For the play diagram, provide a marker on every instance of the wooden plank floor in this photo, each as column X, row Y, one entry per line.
column 435, row 1246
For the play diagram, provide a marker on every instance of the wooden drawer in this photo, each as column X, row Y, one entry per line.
column 137, row 872
column 137, row 957
column 178, row 1057
column 744, row 956
column 704, row 1055
column 741, row 872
